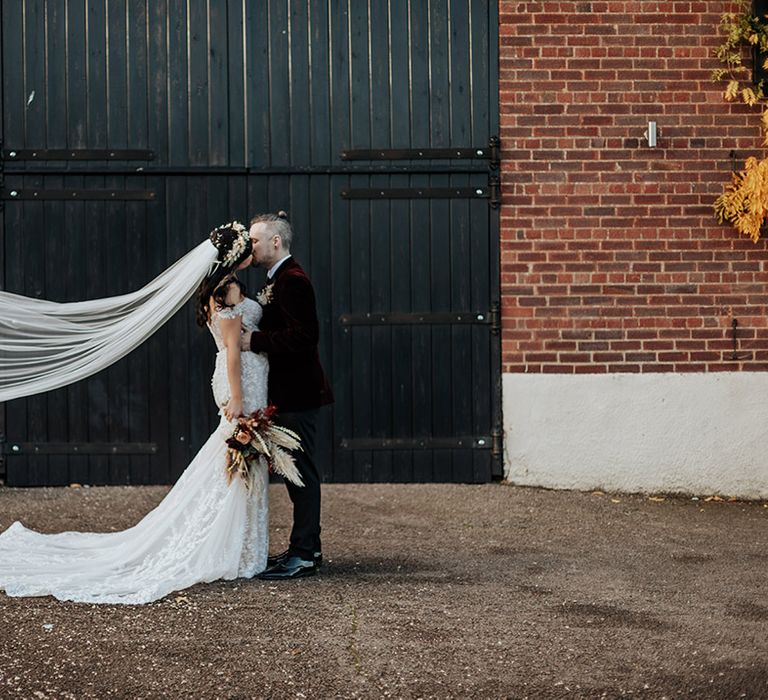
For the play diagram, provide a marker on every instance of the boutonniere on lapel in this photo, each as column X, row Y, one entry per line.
column 265, row 295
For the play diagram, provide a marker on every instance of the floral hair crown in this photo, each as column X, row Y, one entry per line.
column 239, row 245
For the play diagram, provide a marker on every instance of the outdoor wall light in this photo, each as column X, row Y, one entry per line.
column 650, row 135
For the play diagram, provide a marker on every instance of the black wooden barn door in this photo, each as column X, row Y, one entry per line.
column 124, row 143
column 131, row 127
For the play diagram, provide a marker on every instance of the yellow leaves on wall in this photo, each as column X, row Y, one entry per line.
column 745, row 201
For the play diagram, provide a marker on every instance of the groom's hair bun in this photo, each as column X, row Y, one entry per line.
column 282, row 215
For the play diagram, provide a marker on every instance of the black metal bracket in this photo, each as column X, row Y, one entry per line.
column 497, row 445
column 489, row 153
column 735, row 355
column 495, row 318
column 77, row 448
column 77, row 154
column 427, row 443
column 494, row 187
column 494, row 145
column 77, row 195
column 417, row 193
column 415, row 318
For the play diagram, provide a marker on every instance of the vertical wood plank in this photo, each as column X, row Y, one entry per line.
column 257, row 95
column 13, row 79
column 160, row 348
column 378, row 39
column 319, row 89
column 96, row 408
column 55, row 76
column 439, row 86
column 402, row 346
column 463, row 372
column 339, row 83
column 35, row 110
column 176, row 223
column 52, row 212
column 137, row 51
column 96, row 52
column 159, row 99
column 381, row 336
column 117, row 74
column 279, row 84
column 118, row 379
column 421, row 343
column 442, row 351
column 399, row 76
column 55, row 290
column 317, row 226
column 16, row 413
column 178, row 93
column 218, row 87
column 76, row 76
column 74, row 260
column 236, row 94
column 299, row 82
column 341, row 295
column 33, row 245
column 199, row 104
column 360, row 275
column 139, row 390
column 360, row 86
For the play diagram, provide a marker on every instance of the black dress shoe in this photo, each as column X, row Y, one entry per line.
column 280, row 558
column 277, row 559
column 290, row 567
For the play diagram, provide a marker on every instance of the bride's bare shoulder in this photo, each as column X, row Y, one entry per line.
column 234, row 294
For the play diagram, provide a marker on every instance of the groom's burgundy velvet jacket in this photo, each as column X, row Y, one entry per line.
column 289, row 333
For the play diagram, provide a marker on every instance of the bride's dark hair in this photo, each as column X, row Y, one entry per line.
column 227, row 239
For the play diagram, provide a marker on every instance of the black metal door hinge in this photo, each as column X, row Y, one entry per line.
column 393, row 318
column 494, row 317
column 494, row 191
column 77, row 448
column 416, row 193
column 11, row 194
column 19, row 154
column 483, row 442
column 489, row 153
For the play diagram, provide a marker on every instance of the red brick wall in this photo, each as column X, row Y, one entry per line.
column 611, row 258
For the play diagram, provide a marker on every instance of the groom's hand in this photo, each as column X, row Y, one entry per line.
column 245, row 340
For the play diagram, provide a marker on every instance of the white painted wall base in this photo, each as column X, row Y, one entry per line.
column 684, row 433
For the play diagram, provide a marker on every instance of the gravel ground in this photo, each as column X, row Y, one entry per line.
column 431, row 591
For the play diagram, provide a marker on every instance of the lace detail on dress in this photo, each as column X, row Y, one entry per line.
column 204, row 529
column 229, row 312
column 253, row 367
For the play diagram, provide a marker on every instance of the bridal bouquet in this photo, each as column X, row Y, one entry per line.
column 256, row 438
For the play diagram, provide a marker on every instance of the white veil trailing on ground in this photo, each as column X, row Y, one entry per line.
column 45, row 345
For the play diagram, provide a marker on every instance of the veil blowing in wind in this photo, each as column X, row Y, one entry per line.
column 209, row 526
column 46, row 345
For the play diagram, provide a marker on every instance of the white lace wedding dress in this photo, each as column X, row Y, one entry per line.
column 204, row 529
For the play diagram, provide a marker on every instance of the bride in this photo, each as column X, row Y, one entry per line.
column 207, row 527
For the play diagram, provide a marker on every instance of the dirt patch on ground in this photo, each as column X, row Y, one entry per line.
column 430, row 591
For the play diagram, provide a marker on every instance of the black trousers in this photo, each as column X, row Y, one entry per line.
column 305, row 535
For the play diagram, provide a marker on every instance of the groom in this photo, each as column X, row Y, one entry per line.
column 289, row 334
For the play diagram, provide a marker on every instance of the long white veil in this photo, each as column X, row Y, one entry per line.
column 45, row 345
